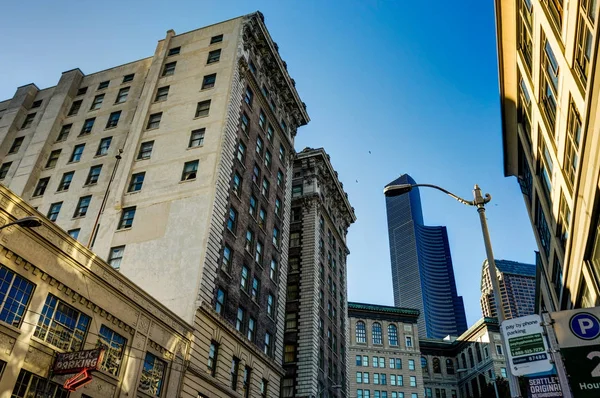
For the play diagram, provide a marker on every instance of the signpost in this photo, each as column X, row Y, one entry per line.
column 80, row 362
column 578, row 334
column 527, row 347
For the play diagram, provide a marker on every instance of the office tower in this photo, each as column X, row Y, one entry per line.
column 422, row 273
column 177, row 170
column 547, row 63
column 517, row 288
column 384, row 352
column 316, row 338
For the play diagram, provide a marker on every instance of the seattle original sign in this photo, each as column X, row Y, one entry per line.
column 75, row 362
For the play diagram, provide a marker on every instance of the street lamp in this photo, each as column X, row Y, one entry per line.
column 25, row 222
column 479, row 202
column 333, row 387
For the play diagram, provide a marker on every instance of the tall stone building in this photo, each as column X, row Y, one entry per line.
column 517, row 288
column 177, row 169
column 549, row 106
column 316, row 322
column 422, row 271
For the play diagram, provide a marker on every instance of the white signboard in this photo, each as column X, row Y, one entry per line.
column 575, row 328
column 527, row 346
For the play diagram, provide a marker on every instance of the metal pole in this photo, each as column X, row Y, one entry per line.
column 556, row 356
column 480, row 202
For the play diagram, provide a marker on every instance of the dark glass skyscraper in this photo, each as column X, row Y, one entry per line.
column 422, row 273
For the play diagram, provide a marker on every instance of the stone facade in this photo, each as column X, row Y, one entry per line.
column 58, row 296
column 384, row 355
column 185, row 126
column 316, row 338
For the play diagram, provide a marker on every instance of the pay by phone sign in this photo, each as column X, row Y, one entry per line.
column 527, row 347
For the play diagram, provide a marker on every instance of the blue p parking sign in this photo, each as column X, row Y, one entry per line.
column 585, row 326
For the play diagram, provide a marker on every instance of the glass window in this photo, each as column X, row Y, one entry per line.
column 220, row 301
column 103, row 146
column 41, row 186
column 268, row 347
column 241, row 152
column 450, row 366
column 113, row 119
column 145, row 150
column 62, row 325
column 53, row 211
column 274, row 269
column 27, row 122
column 4, row 169
column 29, row 385
column 549, row 83
column 411, row 364
column 162, row 94
column 87, row 127
column 276, row 237
column 392, row 334
column 174, row 51
column 196, row 138
column 244, row 279
column 209, row 81
column 212, row 358
column 75, row 108
column 136, row 182
column 413, row 381
column 169, row 69
column 53, row 158
column 237, row 183
column 203, row 108
column 214, row 56
column 82, row 206
column 103, row 85
column 240, row 319
column 226, row 258
column 437, row 367
column 154, row 121
column 64, row 132
column 127, row 215
column 15, row 293
column 190, row 170
column 128, row 78
column 249, row 96
column 122, row 95
column 65, row 181
column 571, row 162
column 361, row 332
column 97, row 102
column 408, row 341
column 93, row 175
column 584, row 42
column 153, row 374
column 271, row 305
column 114, row 347
column 216, row 39
column 77, row 152
column 115, row 256
column 74, row 233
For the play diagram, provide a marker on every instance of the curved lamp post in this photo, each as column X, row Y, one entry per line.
column 25, row 222
column 479, row 202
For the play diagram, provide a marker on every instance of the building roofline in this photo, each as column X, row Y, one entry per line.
column 386, row 309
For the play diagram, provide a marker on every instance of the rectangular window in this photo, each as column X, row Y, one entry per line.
column 268, row 160
column 122, row 95
column 127, row 215
column 15, row 293
column 271, row 305
column 87, row 127
column 154, row 121
column 93, row 175
column 203, row 108
column 153, row 374
column 282, row 154
column 16, row 145
column 103, row 85
column 411, row 364
column 196, row 138
column 245, row 123
column 258, row 255
column 259, row 146
column 413, row 381
column 54, row 210
column 36, row 104
column 276, row 237
column 246, row 382
column 226, row 263
column 4, row 169
column 114, row 347
column 249, row 96
column 209, row 81
column 244, row 278
column 74, row 233
column 41, row 186
column 81, row 91
column 64, row 132
column 29, row 385
column 136, row 182
column 213, row 354
column 235, row 364
column 62, row 325
column 251, row 329
column 408, row 341
column 278, row 207
column 556, row 12
column 542, row 228
column 128, row 78
column 240, row 318
column 265, row 187
column 113, row 119
column 220, row 301
column 237, row 183
column 291, row 321
column 169, row 69
column 524, row 109
column 190, row 170
column 273, row 270
column 77, row 152
column 564, row 220
column 584, row 41
column 161, row 94
column 241, row 152
column 145, row 150
column 262, row 120
column 75, row 108
column 97, row 102
column 216, row 39
column 82, row 206
column 28, row 120
column 115, row 256
column 571, row 162
column 214, row 56
column 103, row 146
column 65, row 181
column 268, row 347
column 289, row 353
column 549, row 85
column 174, row 51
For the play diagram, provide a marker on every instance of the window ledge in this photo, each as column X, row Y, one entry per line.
column 12, row 331
column 100, row 156
column 200, row 117
column 78, row 217
column 188, row 180
column 133, row 192
column 123, row 229
column 110, row 128
column 73, row 161
column 153, row 128
column 207, row 89
column 84, row 134
column 90, row 184
column 194, row 147
column 95, row 109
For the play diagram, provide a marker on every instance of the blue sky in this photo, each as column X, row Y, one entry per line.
column 414, row 83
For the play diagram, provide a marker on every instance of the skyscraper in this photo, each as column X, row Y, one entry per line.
column 422, row 273
column 517, row 288
column 177, row 170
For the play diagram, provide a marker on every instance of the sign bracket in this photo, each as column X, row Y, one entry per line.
column 556, row 355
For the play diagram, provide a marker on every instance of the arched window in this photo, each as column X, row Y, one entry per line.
column 392, row 334
column 361, row 332
column 471, row 361
column 464, row 360
column 376, row 330
column 449, row 366
column 437, row 367
column 424, row 365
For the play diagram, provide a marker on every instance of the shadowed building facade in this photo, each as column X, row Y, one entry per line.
column 422, row 272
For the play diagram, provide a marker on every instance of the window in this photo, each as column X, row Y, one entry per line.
column 376, row 331
column 249, row 96
column 214, row 56
column 524, row 108
column 249, row 244
column 113, row 120
column 82, row 91
column 584, row 42
column 114, row 347
column 75, row 108
column 542, row 228
column 450, row 366
column 408, row 341
column 284, row 127
column 209, row 81
column 361, row 332
column 128, row 78
column 549, row 83
column 97, row 102
column 115, row 256
column 411, row 364
column 413, row 381
column 270, row 133
column 122, row 95
column 251, row 329
column 375, row 362
column 213, row 353
column 382, row 379
column 127, row 215
column 498, row 349
column 153, row 374
column 259, row 146
column 288, row 388
column 392, row 335
column 62, row 325
column 87, row 127
column 289, row 353
column 28, row 120
column 265, row 187
column 239, row 321
column 258, row 256
column 41, row 186
column 174, row 51
column 4, row 170
column 400, row 380
column 16, row 145
column 571, row 162
column 366, row 378
column 503, row 372
column 269, row 160
column 398, row 363
column 145, row 150
column 103, row 85
column 294, row 239
column 279, row 179
column 15, row 293
column 276, row 237
column 296, row 191
column 30, row 385
column 196, row 138
column 244, row 123
column 216, row 39
column 82, row 206
column 381, row 362
column 169, row 69
column 262, row 217
column 77, row 152
column 36, row 104
column 103, row 146
column 237, row 183
column 564, row 220
column 545, row 166
column 74, row 233
column 203, row 108
column 161, row 94
column 262, row 119
column 154, row 121
column 268, row 348
column 376, row 379
column 93, row 175
column 471, row 359
column 226, row 258
column 65, row 181
column 255, row 174
column 278, row 207
column 273, row 270
column 281, row 153
column 53, row 211
column 271, row 305
column 291, row 321
column 244, row 278
column 241, row 152
column 437, row 367
column 246, row 381
column 64, row 132
column 220, row 301
column 235, row 363
column 232, row 220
